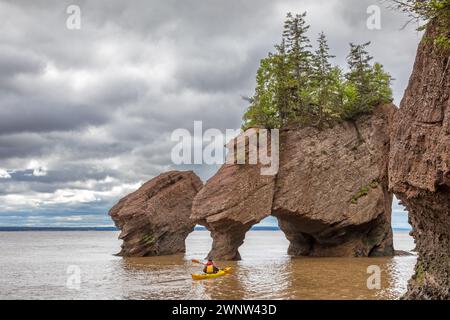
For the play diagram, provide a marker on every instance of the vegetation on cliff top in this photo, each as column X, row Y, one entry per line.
column 297, row 85
column 429, row 10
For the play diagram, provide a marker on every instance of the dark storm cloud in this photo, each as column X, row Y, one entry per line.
column 14, row 62
column 40, row 115
column 12, row 146
column 86, row 115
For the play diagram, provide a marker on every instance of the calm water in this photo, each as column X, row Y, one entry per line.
column 34, row 265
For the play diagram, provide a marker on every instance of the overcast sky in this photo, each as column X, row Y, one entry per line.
column 86, row 115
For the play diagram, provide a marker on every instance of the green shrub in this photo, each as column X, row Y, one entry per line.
column 148, row 239
column 436, row 11
column 361, row 193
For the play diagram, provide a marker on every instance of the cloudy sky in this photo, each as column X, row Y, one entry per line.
column 86, row 115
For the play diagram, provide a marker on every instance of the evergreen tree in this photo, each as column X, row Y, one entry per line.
column 360, row 68
column 381, row 85
column 299, row 60
column 360, row 75
column 367, row 86
column 294, row 85
column 323, row 78
column 263, row 108
column 282, row 80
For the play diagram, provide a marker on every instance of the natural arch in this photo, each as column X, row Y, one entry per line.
column 231, row 202
column 330, row 194
column 198, row 243
column 264, row 241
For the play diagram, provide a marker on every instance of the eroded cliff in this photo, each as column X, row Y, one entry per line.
column 154, row 220
column 331, row 194
column 419, row 166
column 232, row 201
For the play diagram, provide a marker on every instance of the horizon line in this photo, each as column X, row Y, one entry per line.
column 112, row 228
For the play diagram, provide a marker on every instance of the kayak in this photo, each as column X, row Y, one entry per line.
column 203, row 276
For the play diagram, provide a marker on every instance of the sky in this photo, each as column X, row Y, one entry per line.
column 86, row 115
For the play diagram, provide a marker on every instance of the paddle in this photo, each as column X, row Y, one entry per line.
column 173, row 280
column 196, row 261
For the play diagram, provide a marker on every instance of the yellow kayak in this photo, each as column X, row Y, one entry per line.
column 203, row 276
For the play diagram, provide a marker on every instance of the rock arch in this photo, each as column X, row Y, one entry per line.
column 330, row 195
column 232, row 201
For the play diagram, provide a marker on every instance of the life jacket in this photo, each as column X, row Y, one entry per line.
column 210, row 268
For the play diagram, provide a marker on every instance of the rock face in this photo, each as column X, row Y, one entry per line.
column 419, row 167
column 331, row 194
column 154, row 220
column 233, row 200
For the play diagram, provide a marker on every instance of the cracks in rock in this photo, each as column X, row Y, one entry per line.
column 169, row 182
column 429, row 122
column 237, row 203
column 444, row 74
column 360, row 139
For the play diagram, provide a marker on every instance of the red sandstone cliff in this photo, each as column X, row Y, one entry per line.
column 154, row 220
column 419, row 166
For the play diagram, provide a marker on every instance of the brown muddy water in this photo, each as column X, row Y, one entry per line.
column 48, row 265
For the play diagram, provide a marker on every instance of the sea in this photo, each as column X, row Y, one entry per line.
column 83, row 265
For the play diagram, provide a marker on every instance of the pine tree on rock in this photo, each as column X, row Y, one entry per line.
column 294, row 85
column 360, row 76
column 299, row 58
column 282, row 79
column 323, row 78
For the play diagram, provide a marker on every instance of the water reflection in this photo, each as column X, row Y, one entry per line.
column 266, row 272
column 289, row 278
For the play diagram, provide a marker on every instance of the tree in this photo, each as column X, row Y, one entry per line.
column 360, row 69
column 360, row 75
column 381, row 85
column 295, row 85
column 282, row 78
column 299, row 61
column 323, row 77
column 367, row 86
column 437, row 11
column 263, row 109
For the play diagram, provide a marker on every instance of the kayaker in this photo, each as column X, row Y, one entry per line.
column 210, row 267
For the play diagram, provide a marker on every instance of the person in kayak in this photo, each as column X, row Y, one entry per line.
column 210, row 267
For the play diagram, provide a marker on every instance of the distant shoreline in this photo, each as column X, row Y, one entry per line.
column 62, row 229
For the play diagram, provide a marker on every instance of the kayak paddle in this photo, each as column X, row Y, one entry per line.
column 196, row 261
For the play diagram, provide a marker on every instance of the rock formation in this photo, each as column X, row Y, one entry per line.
column 419, row 167
column 154, row 220
column 233, row 200
column 331, row 194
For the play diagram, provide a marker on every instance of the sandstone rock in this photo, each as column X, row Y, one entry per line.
column 331, row 194
column 233, row 200
column 154, row 220
column 419, row 168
